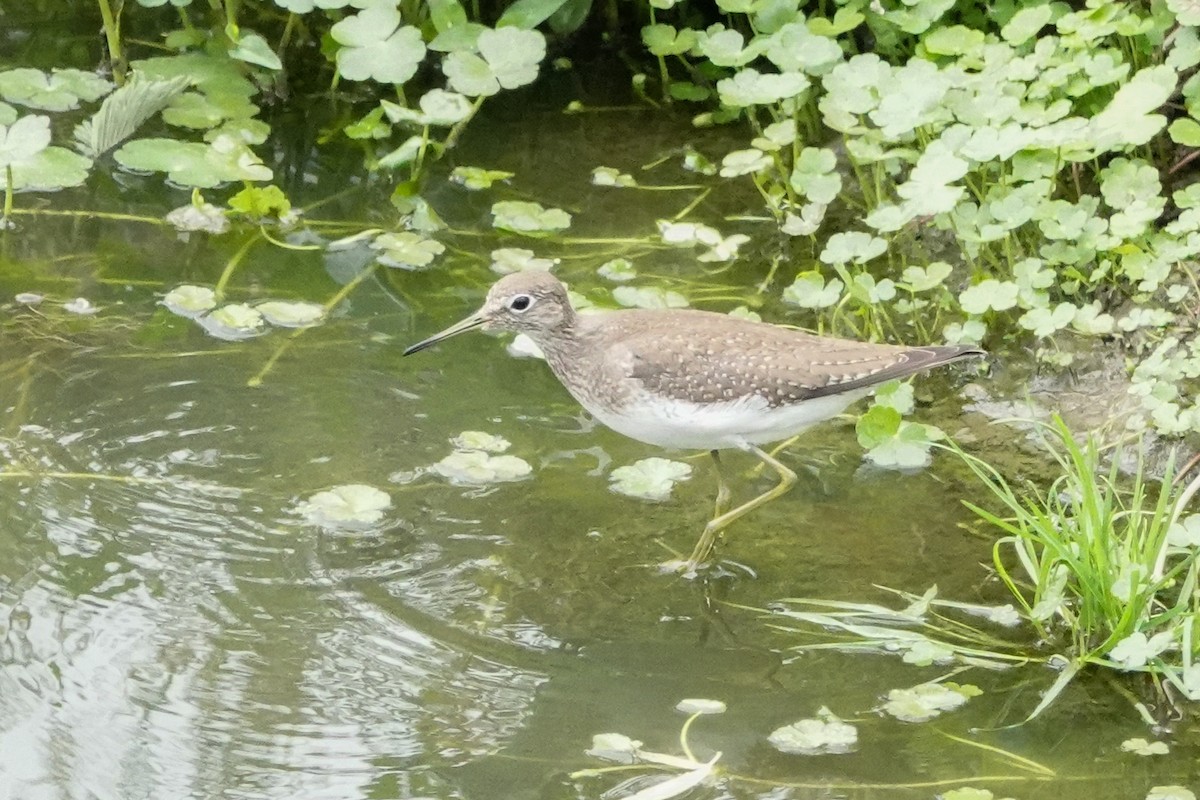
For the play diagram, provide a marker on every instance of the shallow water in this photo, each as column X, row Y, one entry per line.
column 170, row 628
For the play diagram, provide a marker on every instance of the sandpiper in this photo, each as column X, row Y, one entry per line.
column 682, row 378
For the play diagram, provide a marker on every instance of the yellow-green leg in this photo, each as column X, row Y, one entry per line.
column 724, row 495
column 708, row 539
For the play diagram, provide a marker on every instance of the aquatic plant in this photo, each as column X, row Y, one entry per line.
column 1103, row 567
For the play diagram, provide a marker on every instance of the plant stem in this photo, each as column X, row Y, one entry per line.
column 112, row 34
column 330, row 304
column 233, row 263
column 8, row 196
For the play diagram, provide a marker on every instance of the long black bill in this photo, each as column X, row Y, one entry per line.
column 470, row 323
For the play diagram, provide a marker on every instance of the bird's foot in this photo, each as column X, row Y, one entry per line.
column 684, row 567
column 690, row 569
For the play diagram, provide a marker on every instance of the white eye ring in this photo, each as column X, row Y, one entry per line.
column 521, row 303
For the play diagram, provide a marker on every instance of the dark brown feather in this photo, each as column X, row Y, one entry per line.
column 705, row 357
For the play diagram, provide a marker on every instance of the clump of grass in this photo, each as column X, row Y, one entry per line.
column 1106, row 565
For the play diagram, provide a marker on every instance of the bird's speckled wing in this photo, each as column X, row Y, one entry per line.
column 705, row 357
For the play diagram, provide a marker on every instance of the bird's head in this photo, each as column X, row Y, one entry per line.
column 530, row 302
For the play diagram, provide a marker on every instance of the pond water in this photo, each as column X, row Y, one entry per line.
column 170, row 628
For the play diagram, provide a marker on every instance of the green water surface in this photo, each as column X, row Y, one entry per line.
column 170, row 628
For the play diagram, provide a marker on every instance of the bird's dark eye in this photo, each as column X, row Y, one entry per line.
column 520, row 302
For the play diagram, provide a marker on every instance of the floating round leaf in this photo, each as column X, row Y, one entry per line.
column 476, row 178
column 927, row 700
column 515, row 259
column 614, row 747
column 508, row 58
column 699, row 705
column 744, row 162
column 608, row 176
column 61, row 90
column 194, row 163
column 750, row 87
column 293, row 314
column 852, row 247
column 529, row 218
column 1145, row 748
column 204, row 217
column 479, row 440
column 989, row 294
column 445, row 108
column 477, row 468
column 1137, row 649
column 375, row 46
column 190, row 301
column 350, row 506
column 724, row 250
column 81, row 306
column 807, row 221
column 648, row 297
column 49, row 170
column 1170, row 792
column 809, row 737
column 406, row 250
column 810, row 290
column 649, row 478
column 22, row 140
column 619, row 270
column 233, row 322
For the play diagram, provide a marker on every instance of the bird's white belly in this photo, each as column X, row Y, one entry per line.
column 685, row 425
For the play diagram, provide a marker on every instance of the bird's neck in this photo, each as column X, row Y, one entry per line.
column 564, row 344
